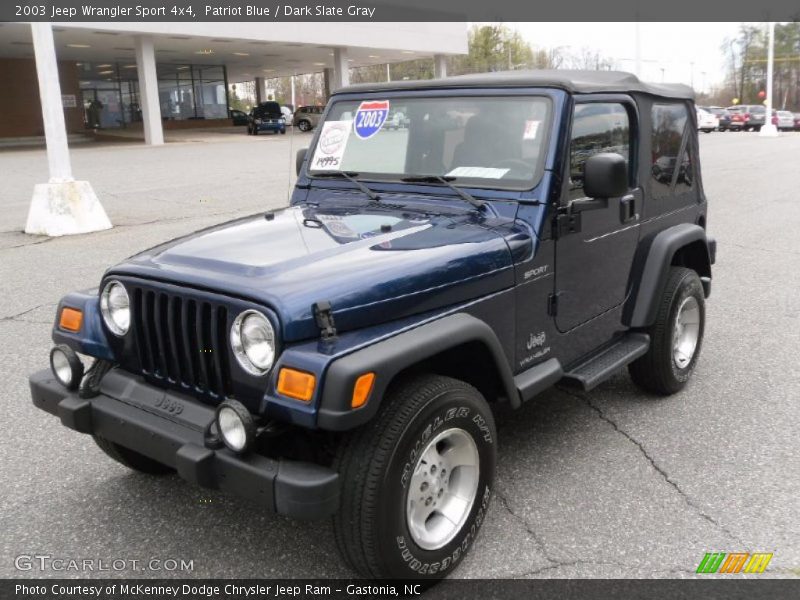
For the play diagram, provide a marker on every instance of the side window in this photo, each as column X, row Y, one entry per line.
column 672, row 154
column 596, row 127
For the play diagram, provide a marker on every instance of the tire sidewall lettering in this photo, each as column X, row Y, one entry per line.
column 452, row 413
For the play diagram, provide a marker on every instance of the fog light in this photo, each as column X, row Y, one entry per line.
column 66, row 366
column 235, row 425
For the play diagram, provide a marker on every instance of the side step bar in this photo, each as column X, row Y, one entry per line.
column 596, row 369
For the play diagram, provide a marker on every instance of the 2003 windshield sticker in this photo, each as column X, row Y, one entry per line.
column 370, row 117
column 330, row 148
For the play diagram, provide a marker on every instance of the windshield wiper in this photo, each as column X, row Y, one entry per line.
column 446, row 181
column 350, row 176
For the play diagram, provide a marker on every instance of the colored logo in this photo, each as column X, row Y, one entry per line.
column 370, row 117
column 734, row 562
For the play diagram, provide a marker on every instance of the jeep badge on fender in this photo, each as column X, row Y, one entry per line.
column 343, row 356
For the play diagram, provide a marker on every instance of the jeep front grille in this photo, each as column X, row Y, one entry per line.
column 182, row 341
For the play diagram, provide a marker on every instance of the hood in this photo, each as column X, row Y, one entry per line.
column 373, row 263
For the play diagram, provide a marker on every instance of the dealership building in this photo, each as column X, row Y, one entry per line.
column 175, row 75
column 64, row 78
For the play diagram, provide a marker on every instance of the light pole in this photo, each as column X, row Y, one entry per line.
column 768, row 129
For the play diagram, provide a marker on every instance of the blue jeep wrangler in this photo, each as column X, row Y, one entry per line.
column 340, row 357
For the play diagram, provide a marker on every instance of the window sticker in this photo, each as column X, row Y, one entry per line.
column 531, row 127
column 479, row 172
column 330, row 148
column 370, row 117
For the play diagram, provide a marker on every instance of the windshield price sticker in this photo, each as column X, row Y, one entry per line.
column 330, row 148
column 370, row 117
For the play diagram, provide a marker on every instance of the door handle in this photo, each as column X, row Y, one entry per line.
column 627, row 209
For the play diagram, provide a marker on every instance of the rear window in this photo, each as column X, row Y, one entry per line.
column 672, row 159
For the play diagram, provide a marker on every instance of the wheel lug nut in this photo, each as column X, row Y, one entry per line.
column 433, row 469
column 428, row 501
column 424, row 486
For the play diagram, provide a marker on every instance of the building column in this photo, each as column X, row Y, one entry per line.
column 261, row 90
column 341, row 69
column 62, row 206
column 327, row 82
column 148, row 91
column 294, row 105
column 439, row 66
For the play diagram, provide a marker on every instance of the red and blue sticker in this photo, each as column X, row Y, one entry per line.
column 370, row 117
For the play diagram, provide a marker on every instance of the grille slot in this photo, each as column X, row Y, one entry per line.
column 181, row 341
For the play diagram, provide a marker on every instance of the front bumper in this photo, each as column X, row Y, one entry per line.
column 127, row 412
column 277, row 127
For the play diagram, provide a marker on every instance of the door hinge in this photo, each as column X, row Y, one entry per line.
column 323, row 315
column 565, row 223
column 552, row 304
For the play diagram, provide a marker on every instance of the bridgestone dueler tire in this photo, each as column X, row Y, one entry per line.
column 376, row 463
column 656, row 371
column 131, row 459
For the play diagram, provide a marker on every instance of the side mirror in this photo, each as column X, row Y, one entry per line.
column 298, row 161
column 605, row 176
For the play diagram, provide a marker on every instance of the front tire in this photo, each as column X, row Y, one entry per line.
column 675, row 337
column 131, row 459
column 430, row 452
column 304, row 125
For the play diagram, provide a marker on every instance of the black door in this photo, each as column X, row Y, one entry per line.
column 593, row 261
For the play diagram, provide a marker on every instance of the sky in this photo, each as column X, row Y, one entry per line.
column 672, row 47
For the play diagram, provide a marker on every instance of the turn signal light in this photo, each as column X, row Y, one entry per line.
column 296, row 384
column 362, row 389
column 70, row 319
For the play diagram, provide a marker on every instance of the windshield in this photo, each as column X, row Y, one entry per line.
column 495, row 142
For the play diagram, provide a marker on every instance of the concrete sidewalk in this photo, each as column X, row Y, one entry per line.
column 214, row 174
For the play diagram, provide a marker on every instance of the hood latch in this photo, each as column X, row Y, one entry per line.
column 323, row 315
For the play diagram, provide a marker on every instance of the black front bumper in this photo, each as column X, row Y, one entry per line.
column 127, row 412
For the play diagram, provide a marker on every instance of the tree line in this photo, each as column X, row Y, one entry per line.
column 746, row 67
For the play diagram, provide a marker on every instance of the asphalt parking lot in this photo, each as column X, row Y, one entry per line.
column 607, row 484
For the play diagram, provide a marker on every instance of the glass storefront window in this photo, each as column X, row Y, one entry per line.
column 110, row 93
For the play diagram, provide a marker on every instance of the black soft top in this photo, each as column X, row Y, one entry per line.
column 573, row 81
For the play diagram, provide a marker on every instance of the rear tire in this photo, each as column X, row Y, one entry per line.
column 675, row 337
column 431, row 448
column 304, row 125
column 131, row 459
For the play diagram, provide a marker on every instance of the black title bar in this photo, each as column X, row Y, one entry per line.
column 188, row 11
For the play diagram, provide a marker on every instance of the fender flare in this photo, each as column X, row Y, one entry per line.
column 390, row 356
column 654, row 269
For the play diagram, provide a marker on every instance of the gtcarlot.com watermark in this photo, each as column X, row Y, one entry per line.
column 62, row 564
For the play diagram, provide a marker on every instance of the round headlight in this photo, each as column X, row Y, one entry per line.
column 235, row 425
column 116, row 308
column 253, row 342
column 66, row 366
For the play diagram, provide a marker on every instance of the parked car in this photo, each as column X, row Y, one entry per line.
column 308, row 117
column 797, row 121
column 396, row 120
column 288, row 115
column 752, row 115
column 723, row 115
column 706, row 121
column 783, row 120
column 266, row 116
column 342, row 356
column 238, row 117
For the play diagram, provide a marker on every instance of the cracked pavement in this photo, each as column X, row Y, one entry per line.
column 612, row 483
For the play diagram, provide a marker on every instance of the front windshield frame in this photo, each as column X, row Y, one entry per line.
column 509, row 185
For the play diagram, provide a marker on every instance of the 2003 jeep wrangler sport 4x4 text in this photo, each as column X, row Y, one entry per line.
column 340, row 357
